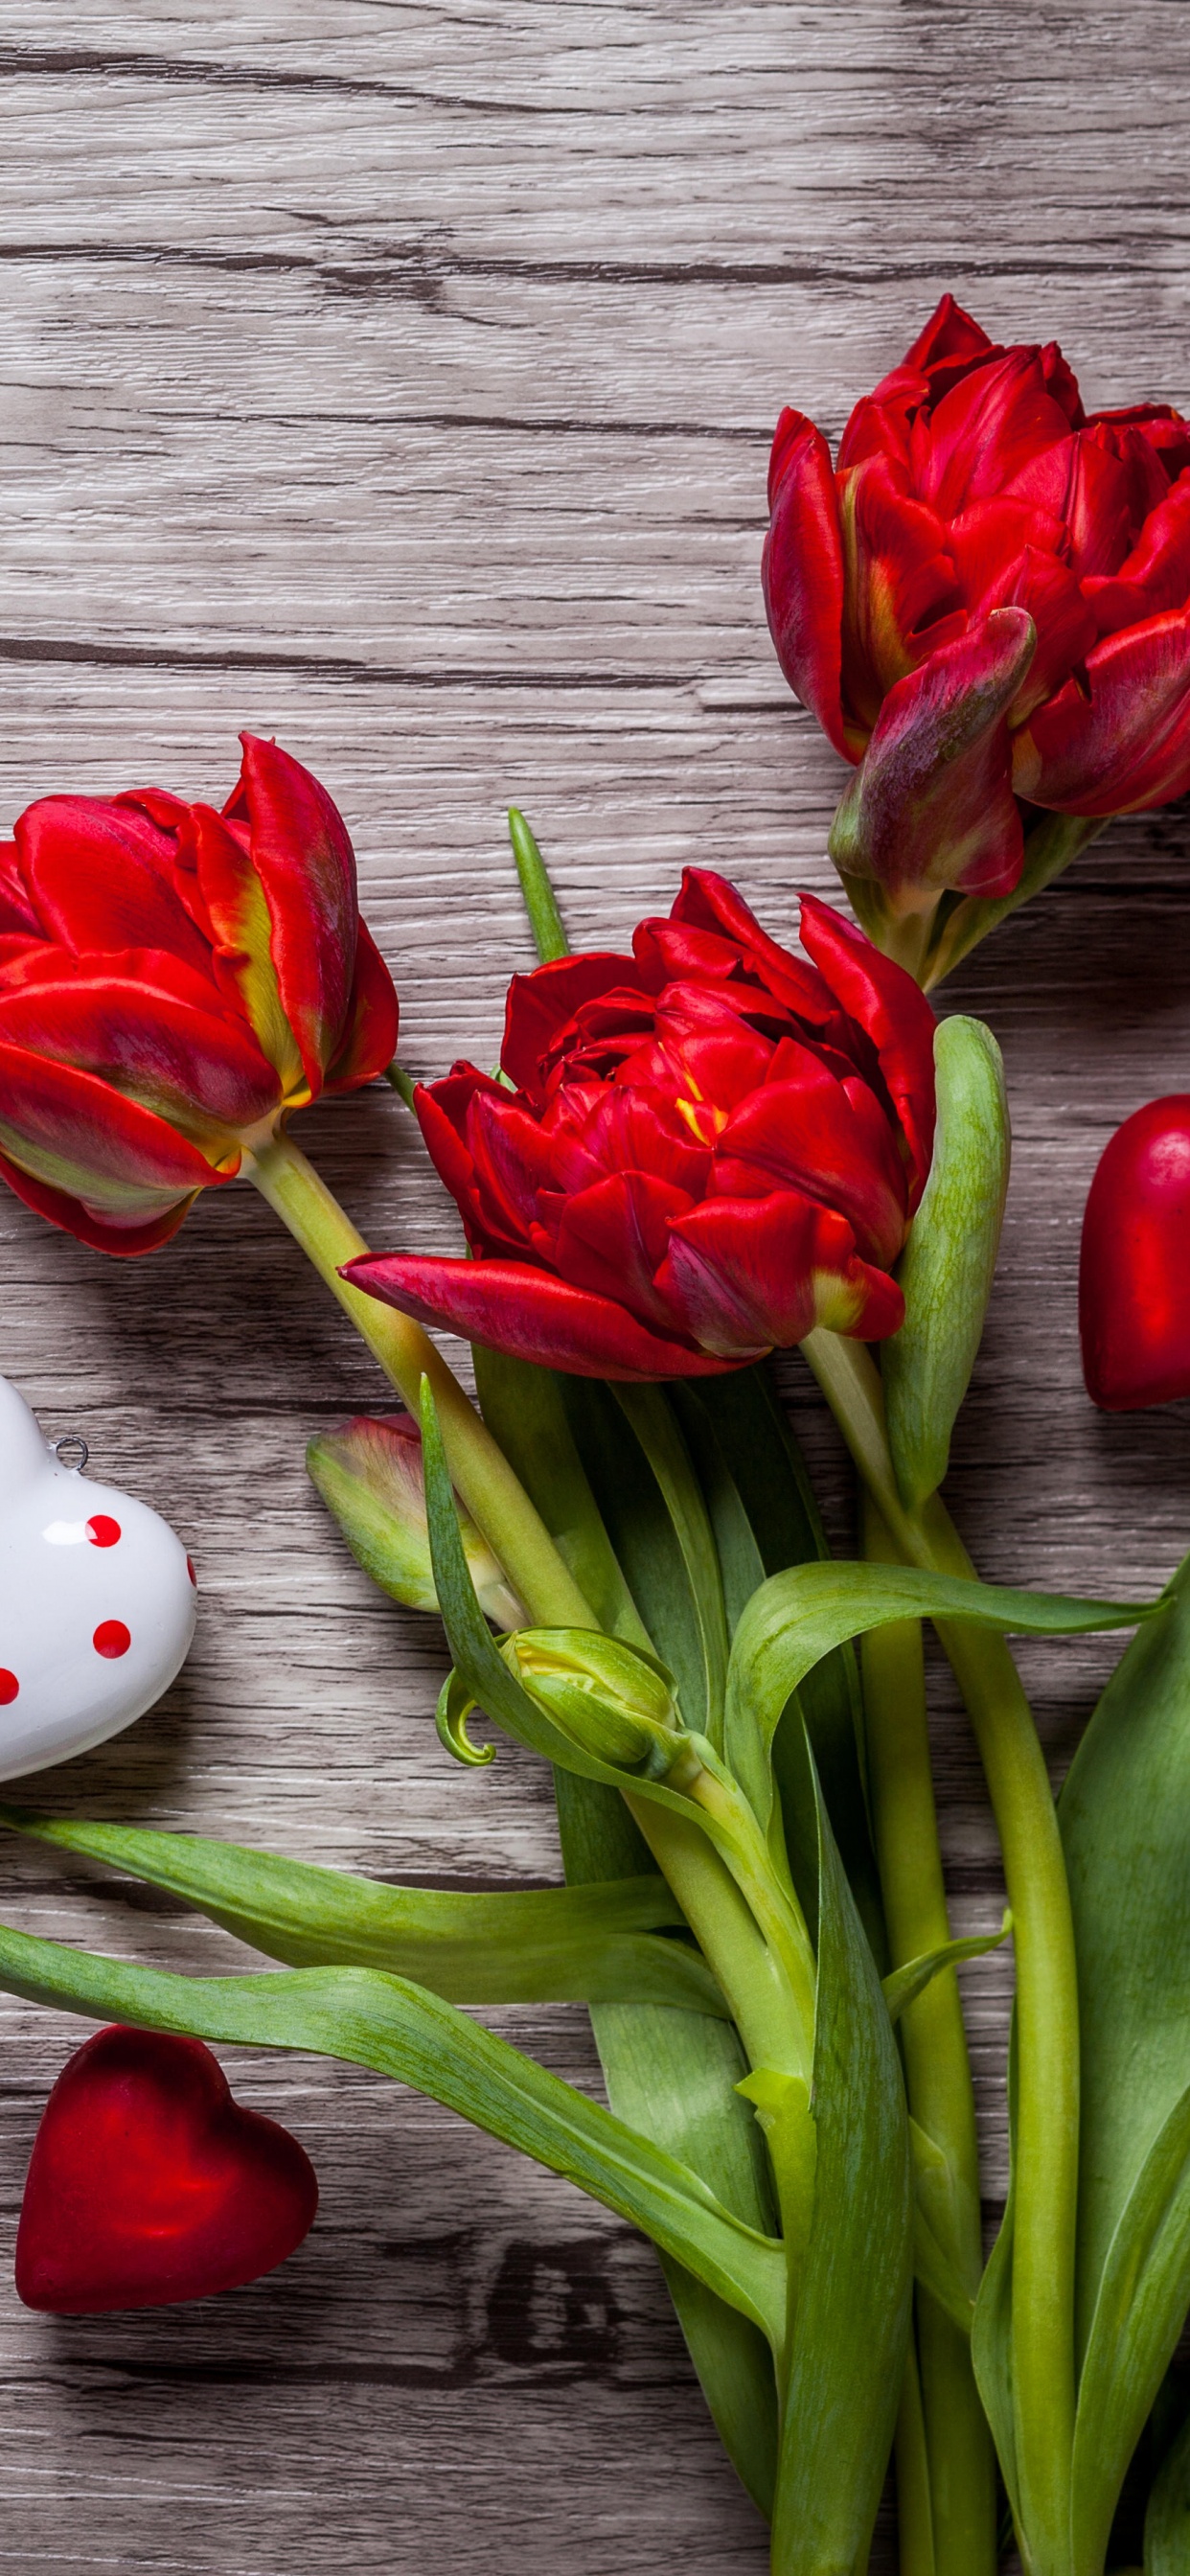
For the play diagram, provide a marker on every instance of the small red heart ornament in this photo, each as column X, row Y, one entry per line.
column 149, row 2184
column 1134, row 1275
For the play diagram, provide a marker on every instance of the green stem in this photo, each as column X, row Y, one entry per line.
column 958, row 2444
column 768, row 2011
column 479, row 1470
column 774, row 1906
column 771, row 2008
column 403, row 1083
column 1050, row 845
column 1043, row 2374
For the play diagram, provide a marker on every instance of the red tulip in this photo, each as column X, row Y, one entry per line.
column 1134, row 1280
column 694, row 1153
column 986, row 600
column 173, row 981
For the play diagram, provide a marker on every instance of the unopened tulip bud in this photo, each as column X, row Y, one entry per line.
column 609, row 1699
column 370, row 1477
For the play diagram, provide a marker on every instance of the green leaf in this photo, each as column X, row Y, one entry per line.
column 991, row 2326
column 1143, row 2296
column 1167, row 2522
column 545, row 920
column 671, row 2074
column 741, row 1566
column 656, row 1426
column 851, row 2323
column 400, row 2030
column 481, row 1668
column 907, row 1983
column 486, row 1675
column 535, row 1945
column 641, row 1532
column 524, row 1411
column 768, row 1473
column 798, row 1617
column 948, row 1264
column 1122, row 1815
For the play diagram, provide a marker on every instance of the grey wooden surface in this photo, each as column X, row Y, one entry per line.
column 397, row 376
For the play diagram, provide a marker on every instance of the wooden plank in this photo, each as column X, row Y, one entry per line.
column 399, row 379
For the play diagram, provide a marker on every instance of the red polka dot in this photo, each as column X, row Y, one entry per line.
column 9, row 1686
column 102, row 1530
column 111, row 1638
column 190, row 1571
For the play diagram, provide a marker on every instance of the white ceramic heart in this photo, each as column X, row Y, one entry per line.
column 97, row 1602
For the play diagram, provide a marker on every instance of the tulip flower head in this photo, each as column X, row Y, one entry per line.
column 694, row 1153
column 173, row 983
column 985, row 602
column 370, row 1475
column 607, row 1697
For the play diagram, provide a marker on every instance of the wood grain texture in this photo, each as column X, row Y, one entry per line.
column 397, row 376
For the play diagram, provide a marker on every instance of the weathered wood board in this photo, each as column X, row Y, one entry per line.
column 398, row 377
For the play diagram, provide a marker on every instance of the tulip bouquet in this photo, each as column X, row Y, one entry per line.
column 694, row 1154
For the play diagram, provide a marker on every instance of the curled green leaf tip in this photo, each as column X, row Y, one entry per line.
column 454, row 1708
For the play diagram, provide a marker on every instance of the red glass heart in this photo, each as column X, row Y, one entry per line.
column 1134, row 1277
column 148, row 2183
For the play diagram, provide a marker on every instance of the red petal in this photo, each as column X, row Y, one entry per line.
column 20, row 955
column 441, row 1109
column 893, row 1013
column 1149, row 461
column 83, row 1139
column 748, row 1275
column 706, row 1050
column 632, row 1130
column 370, row 1041
column 802, row 574
column 530, row 1315
column 1127, row 746
column 512, row 1160
column 1134, row 1314
column 1156, row 574
column 304, row 860
column 542, row 1004
column 16, row 911
column 901, row 586
column 878, row 428
column 951, row 338
column 100, row 875
column 1099, row 511
column 188, row 1067
column 803, row 1134
column 711, row 902
column 988, row 540
column 1062, row 383
column 1064, row 623
column 989, row 428
column 124, row 1241
column 613, row 1239
column 932, row 806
